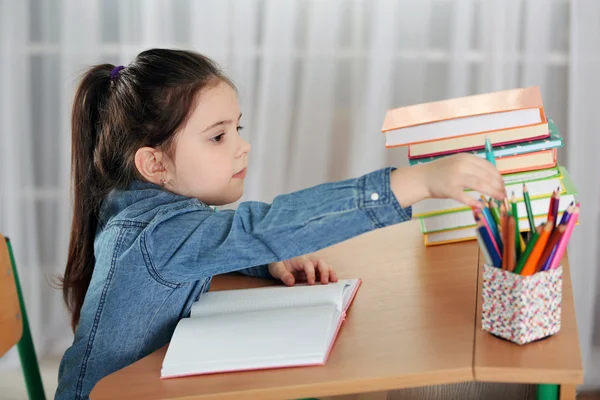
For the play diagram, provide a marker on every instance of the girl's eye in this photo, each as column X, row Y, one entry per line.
column 218, row 138
column 239, row 128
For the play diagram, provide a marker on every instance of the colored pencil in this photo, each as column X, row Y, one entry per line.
column 529, row 211
column 489, row 152
column 495, row 211
column 551, row 206
column 546, row 265
column 564, row 240
column 566, row 214
column 525, row 255
column 512, row 232
column 482, row 219
column 487, row 215
column 489, row 245
column 550, row 246
column 519, row 242
column 555, row 205
column 534, row 256
column 505, row 241
column 484, row 249
column 484, row 201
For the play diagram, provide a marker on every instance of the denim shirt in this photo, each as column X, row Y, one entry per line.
column 157, row 251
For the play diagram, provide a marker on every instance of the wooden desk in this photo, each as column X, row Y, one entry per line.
column 555, row 360
column 416, row 321
column 411, row 324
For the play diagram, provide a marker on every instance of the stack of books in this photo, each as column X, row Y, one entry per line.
column 524, row 143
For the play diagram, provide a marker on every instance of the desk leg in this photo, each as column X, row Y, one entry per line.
column 568, row 392
column 547, row 392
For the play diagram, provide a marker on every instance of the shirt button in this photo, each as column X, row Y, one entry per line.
column 374, row 196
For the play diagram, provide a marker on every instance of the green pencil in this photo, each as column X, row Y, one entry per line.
column 527, row 252
column 519, row 244
column 495, row 211
column 529, row 212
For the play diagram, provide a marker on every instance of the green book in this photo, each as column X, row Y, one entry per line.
column 464, row 218
column 540, row 183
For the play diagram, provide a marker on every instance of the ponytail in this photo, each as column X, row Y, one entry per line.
column 87, row 185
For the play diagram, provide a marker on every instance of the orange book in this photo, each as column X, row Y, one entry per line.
column 463, row 116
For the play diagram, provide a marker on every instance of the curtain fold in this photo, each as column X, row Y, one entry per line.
column 275, row 105
column 582, row 148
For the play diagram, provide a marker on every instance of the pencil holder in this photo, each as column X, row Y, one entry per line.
column 519, row 308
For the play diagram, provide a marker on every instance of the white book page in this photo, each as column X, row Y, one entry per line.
column 269, row 298
column 251, row 340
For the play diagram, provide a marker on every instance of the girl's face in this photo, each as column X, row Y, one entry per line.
column 210, row 156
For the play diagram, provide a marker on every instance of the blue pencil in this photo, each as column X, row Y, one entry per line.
column 491, row 249
column 493, row 227
column 484, row 249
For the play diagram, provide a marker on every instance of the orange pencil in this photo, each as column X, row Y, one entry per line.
column 512, row 232
column 534, row 257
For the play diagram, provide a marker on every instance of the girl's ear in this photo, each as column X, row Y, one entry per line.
column 151, row 164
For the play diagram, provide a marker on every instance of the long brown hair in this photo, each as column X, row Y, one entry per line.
column 115, row 112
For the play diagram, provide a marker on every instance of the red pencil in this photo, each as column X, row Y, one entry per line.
column 551, row 206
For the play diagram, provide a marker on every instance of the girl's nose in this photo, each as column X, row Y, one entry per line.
column 244, row 147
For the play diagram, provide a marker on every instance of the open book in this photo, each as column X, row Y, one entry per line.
column 271, row 327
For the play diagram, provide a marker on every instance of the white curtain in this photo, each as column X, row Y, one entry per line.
column 315, row 79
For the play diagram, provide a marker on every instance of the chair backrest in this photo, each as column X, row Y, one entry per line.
column 11, row 322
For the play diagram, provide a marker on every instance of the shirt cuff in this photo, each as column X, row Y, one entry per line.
column 260, row 271
column 379, row 202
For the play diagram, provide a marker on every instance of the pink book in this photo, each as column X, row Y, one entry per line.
column 262, row 328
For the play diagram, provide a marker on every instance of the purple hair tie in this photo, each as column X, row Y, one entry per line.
column 115, row 72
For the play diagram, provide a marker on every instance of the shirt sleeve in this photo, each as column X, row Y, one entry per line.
column 196, row 242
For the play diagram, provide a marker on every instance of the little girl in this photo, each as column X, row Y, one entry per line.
column 154, row 145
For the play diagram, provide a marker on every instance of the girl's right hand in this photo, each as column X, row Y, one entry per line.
column 448, row 177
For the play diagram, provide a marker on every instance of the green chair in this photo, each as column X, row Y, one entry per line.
column 14, row 327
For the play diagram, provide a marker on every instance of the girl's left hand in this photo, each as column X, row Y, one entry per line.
column 302, row 269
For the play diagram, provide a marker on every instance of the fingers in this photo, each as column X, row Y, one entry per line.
column 324, row 271
column 284, row 275
column 309, row 270
column 332, row 276
column 484, row 178
column 493, row 177
column 464, row 198
column 484, row 186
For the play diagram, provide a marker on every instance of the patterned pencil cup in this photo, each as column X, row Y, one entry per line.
column 519, row 308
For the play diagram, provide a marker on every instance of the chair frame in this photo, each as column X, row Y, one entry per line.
column 23, row 341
